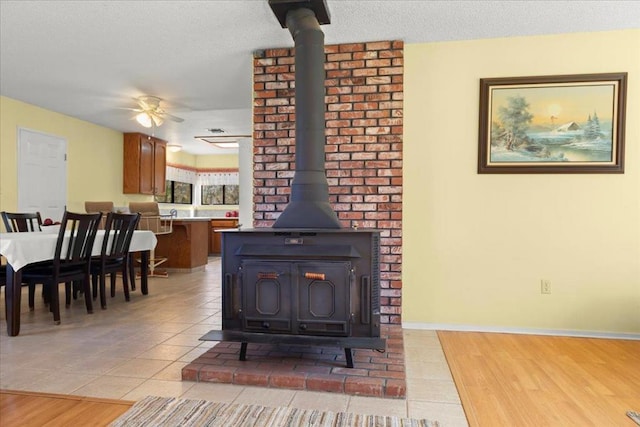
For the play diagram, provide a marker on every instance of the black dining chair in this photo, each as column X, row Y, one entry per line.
column 114, row 256
column 21, row 222
column 71, row 261
column 3, row 275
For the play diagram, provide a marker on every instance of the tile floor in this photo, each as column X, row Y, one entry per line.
column 139, row 348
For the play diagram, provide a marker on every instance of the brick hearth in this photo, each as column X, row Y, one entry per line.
column 307, row 368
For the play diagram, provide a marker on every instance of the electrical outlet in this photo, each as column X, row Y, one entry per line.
column 545, row 286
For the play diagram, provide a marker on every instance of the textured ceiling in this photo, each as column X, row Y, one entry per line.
column 88, row 59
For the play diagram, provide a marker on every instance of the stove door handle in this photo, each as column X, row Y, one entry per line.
column 314, row 276
column 268, row 275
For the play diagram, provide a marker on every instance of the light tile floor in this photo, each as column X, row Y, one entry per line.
column 138, row 348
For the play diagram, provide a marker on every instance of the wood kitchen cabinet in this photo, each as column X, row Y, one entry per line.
column 144, row 166
column 215, row 238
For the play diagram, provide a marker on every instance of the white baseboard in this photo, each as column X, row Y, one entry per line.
column 524, row 331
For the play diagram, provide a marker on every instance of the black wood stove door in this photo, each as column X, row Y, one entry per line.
column 297, row 297
column 324, row 294
column 266, row 290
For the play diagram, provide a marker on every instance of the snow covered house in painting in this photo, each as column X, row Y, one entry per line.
column 571, row 126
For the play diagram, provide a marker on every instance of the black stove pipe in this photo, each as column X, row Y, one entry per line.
column 309, row 200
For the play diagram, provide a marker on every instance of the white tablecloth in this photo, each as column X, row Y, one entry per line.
column 21, row 249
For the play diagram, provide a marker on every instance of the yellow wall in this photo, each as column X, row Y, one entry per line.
column 85, row 180
column 181, row 158
column 218, row 161
column 475, row 247
column 213, row 161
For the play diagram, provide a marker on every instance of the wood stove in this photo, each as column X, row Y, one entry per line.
column 314, row 287
column 306, row 280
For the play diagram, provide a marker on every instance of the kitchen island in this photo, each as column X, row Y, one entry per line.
column 187, row 247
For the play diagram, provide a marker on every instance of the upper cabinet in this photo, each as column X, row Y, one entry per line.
column 144, row 166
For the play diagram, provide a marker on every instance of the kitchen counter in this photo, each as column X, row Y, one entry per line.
column 191, row 218
column 201, row 218
column 217, row 224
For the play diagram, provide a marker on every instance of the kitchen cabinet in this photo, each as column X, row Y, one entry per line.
column 215, row 238
column 144, row 166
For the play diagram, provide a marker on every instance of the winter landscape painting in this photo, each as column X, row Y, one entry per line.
column 552, row 124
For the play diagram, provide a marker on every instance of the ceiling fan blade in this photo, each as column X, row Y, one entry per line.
column 172, row 117
column 148, row 102
column 142, row 104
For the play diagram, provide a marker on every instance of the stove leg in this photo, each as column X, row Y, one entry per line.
column 347, row 353
column 243, row 351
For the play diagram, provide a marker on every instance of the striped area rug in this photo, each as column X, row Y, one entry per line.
column 169, row 411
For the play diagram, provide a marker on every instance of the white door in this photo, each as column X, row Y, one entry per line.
column 42, row 173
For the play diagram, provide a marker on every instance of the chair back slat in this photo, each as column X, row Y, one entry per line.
column 80, row 230
column 21, row 222
column 119, row 230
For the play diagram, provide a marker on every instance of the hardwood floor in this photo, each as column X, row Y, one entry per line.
column 529, row 380
column 19, row 408
column 502, row 379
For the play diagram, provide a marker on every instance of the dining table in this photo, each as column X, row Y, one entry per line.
column 22, row 249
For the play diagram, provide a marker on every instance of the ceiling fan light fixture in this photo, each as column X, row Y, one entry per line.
column 144, row 119
column 157, row 120
column 174, row 148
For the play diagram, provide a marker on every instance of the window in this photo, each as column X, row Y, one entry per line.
column 220, row 194
column 177, row 192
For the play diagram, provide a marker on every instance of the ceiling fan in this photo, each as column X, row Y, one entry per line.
column 150, row 113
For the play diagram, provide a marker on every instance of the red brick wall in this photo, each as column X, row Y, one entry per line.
column 364, row 92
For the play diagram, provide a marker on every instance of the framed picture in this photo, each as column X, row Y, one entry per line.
column 552, row 124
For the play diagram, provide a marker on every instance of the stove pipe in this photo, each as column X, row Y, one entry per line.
column 309, row 200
